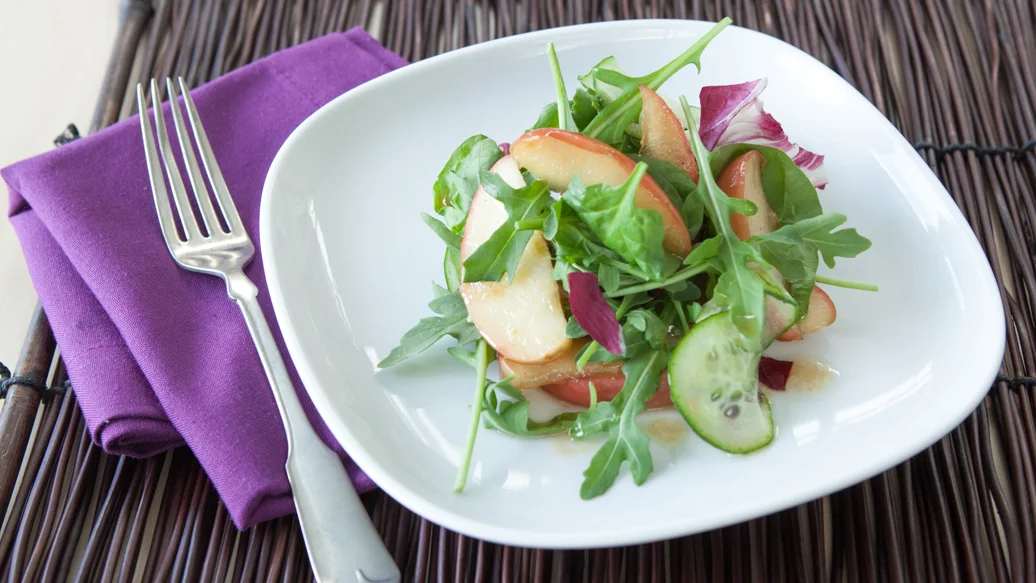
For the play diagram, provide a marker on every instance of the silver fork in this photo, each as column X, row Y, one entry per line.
column 340, row 538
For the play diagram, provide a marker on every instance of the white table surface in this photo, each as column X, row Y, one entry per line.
column 53, row 55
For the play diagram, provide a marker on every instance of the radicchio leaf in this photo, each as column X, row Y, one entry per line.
column 593, row 313
column 505, row 147
column 733, row 114
column 774, row 373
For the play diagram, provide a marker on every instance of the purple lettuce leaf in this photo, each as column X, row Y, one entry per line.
column 733, row 114
column 593, row 313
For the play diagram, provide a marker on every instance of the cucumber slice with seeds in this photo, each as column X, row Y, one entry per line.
column 713, row 381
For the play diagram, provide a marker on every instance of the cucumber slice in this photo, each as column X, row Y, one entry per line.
column 713, row 381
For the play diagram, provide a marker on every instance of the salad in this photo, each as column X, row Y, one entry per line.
column 631, row 251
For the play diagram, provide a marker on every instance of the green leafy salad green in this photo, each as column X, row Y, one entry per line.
column 629, row 252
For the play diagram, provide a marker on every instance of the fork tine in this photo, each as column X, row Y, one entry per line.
column 209, row 160
column 201, row 191
column 172, row 171
column 154, row 170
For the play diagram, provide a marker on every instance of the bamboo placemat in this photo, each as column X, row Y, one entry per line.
column 957, row 78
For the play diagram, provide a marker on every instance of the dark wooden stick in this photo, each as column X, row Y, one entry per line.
column 19, row 408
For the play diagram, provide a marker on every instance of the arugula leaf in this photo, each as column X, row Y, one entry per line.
column 548, row 117
column 500, row 254
column 686, row 294
column 451, row 239
column 611, row 213
column 741, row 206
column 584, row 109
column 455, row 218
column 653, row 328
column 682, row 191
column 737, row 287
column 459, row 179
column 565, row 121
column 573, row 329
column 740, row 289
column 857, row 285
column 504, row 387
column 552, row 221
column 693, row 212
column 511, row 415
column 820, row 232
column 626, row 440
column 465, row 356
column 704, row 251
column 608, row 277
column 599, row 419
column 793, row 249
column 795, row 258
column 670, row 177
column 594, row 420
column 512, row 418
column 573, row 242
column 604, row 92
column 609, row 125
column 451, row 268
column 594, row 352
column 481, row 363
column 451, row 321
column 788, row 190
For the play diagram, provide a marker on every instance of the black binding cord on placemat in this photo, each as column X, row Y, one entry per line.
column 7, row 380
column 1014, row 382
column 941, row 151
column 70, row 134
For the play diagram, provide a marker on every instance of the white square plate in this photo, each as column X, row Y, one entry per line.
column 349, row 264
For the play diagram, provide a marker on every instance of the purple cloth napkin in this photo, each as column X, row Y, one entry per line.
column 160, row 356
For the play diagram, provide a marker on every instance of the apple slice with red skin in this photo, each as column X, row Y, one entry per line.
column 563, row 381
column 663, row 135
column 577, row 391
column 821, row 314
column 742, row 178
column 531, row 376
column 521, row 318
column 555, row 156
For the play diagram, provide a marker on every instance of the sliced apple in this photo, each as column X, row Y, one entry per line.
column 577, row 391
column 531, row 376
column 742, row 178
column 780, row 319
column 664, row 137
column 555, row 156
column 561, row 379
column 521, row 319
column 821, row 313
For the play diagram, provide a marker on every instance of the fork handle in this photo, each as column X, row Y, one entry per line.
column 339, row 535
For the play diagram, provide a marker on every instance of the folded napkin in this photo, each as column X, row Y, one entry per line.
column 160, row 356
